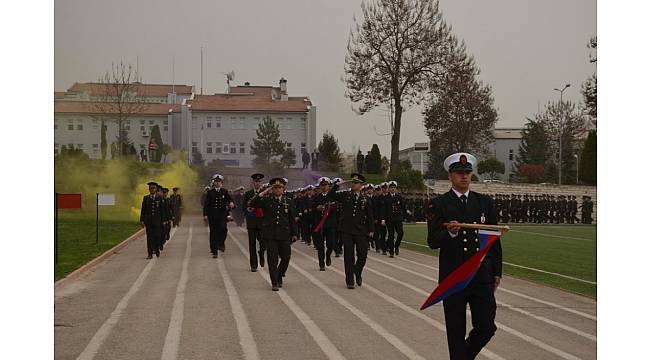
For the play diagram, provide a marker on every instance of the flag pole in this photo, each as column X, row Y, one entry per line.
column 503, row 228
column 97, row 219
column 56, row 228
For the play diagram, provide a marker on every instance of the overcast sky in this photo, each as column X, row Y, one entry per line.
column 524, row 48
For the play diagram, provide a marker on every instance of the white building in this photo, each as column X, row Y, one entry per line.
column 223, row 126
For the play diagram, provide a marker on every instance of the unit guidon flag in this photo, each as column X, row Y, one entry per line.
column 459, row 278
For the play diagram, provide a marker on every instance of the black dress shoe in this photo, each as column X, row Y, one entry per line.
column 261, row 260
column 149, row 257
column 280, row 283
column 253, row 270
column 328, row 260
column 350, row 286
column 359, row 280
column 158, row 254
column 383, row 253
column 322, row 268
column 396, row 251
column 377, row 251
column 275, row 288
column 214, row 256
column 391, row 255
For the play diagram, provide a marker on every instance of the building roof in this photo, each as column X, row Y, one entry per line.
column 153, row 90
column 91, row 107
column 59, row 95
column 507, row 133
column 250, row 98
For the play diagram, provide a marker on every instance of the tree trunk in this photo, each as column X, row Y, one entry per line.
column 394, row 141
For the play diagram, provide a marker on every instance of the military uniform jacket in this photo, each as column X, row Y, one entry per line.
column 394, row 207
column 323, row 199
column 377, row 208
column 216, row 203
column 152, row 211
column 168, row 212
column 277, row 222
column 176, row 202
column 356, row 212
column 455, row 251
column 251, row 221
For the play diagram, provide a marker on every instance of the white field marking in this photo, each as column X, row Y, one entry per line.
column 528, row 268
column 554, row 236
column 173, row 338
column 105, row 330
column 436, row 324
column 521, row 311
column 316, row 333
column 246, row 339
column 392, row 339
column 512, row 292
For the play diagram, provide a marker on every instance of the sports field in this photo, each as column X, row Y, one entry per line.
column 562, row 256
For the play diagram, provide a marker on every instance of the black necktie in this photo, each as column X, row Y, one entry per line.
column 463, row 199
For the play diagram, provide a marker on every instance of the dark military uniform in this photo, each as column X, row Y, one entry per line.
column 216, row 208
column 394, row 211
column 152, row 215
column 326, row 236
column 176, row 201
column 168, row 217
column 277, row 231
column 378, row 215
column 358, row 224
column 454, row 251
column 254, row 227
column 306, row 218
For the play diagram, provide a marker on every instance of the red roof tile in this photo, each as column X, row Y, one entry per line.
column 89, row 107
column 157, row 90
column 260, row 101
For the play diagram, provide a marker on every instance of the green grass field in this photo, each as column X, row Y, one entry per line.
column 562, row 249
column 77, row 237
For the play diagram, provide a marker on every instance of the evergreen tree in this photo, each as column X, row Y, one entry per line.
column 329, row 158
column 156, row 155
column 533, row 149
column 104, row 144
column 374, row 160
column 288, row 158
column 492, row 167
column 267, row 144
column 588, row 160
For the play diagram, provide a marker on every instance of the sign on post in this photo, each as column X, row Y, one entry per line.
column 106, row 200
column 69, row 201
column 422, row 146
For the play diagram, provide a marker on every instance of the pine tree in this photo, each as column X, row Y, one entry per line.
column 374, row 160
column 156, row 155
column 588, row 160
column 267, row 144
column 329, row 158
column 533, row 149
column 104, row 144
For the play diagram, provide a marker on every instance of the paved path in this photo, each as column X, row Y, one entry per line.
column 186, row 305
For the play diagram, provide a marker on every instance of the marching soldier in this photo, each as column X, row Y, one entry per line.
column 383, row 231
column 325, row 223
column 306, row 217
column 176, row 201
column 278, row 229
column 216, row 207
column 460, row 205
column 377, row 201
column 357, row 227
column 254, row 223
column 394, row 210
column 168, row 217
column 151, row 217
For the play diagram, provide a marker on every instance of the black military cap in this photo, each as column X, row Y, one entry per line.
column 358, row 178
column 176, row 188
column 278, row 182
column 160, row 187
column 165, row 190
column 257, row 176
column 152, row 183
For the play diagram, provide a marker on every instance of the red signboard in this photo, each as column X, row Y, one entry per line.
column 69, row 201
column 153, row 146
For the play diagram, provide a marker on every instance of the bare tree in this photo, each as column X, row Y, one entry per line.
column 117, row 97
column 392, row 56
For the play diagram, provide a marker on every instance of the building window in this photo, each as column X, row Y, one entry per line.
column 150, row 122
column 142, row 128
column 208, row 150
column 233, row 148
column 217, row 147
column 142, row 121
column 166, row 122
column 288, row 123
column 208, row 124
column 127, row 126
column 303, row 146
column 233, row 124
column 242, row 124
column 70, row 127
column 303, row 124
column 242, row 148
column 195, row 148
column 80, row 146
column 511, row 154
column 217, row 122
column 226, row 149
column 165, row 128
column 289, row 145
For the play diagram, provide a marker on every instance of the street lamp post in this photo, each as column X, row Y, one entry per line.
column 559, row 180
column 577, row 167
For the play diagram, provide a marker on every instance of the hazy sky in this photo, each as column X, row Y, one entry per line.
column 524, row 48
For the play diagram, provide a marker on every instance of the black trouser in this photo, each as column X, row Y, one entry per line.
column 306, row 230
column 177, row 217
column 253, row 239
column 218, row 233
column 275, row 248
column 380, row 236
column 327, row 237
column 352, row 243
column 153, row 238
column 482, row 304
column 394, row 226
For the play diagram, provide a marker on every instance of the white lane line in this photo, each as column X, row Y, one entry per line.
column 392, row 339
column 554, row 236
column 512, row 292
column 526, row 267
column 436, row 324
column 105, row 330
column 316, row 333
column 173, row 338
column 521, row 311
column 246, row 339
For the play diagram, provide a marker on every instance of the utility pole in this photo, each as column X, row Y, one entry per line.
column 559, row 180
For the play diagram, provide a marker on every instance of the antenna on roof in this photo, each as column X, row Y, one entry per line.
column 229, row 77
column 173, row 89
column 201, row 70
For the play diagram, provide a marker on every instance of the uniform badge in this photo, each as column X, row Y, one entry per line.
column 482, row 218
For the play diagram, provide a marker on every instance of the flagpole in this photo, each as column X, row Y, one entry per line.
column 503, row 228
column 97, row 220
